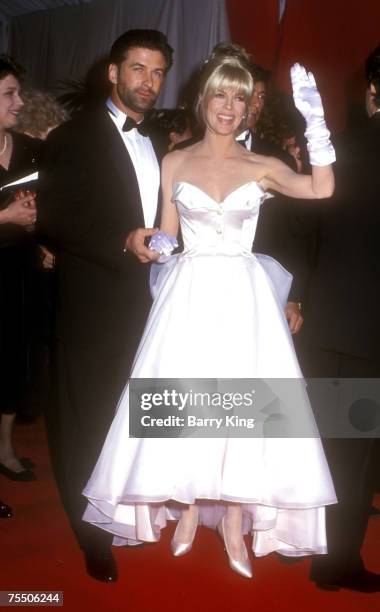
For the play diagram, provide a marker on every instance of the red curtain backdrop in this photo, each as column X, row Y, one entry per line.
column 254, row 25
column 331, row 37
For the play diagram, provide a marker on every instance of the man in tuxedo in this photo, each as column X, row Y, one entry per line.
column 274, row 229
column 342, row 337
column 96, row 205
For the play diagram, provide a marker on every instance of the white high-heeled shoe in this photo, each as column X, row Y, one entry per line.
column 181, row 548
column 244, row 567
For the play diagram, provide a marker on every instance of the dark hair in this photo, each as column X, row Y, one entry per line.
column 372, row 73
column 9, row 66
column 259, row 73
column 146, row 39
column 172, row 120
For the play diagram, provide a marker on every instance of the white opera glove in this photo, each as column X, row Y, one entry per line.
column 163, row 243
column 308, row 102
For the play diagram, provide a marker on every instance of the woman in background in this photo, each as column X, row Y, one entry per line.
column 40, row 114
column 18, row 255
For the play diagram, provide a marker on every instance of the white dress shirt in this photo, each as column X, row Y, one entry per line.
column 246, row 136
column 144, row 161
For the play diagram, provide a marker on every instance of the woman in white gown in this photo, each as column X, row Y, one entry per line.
column 217, row 314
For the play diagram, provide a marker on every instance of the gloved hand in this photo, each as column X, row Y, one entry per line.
column 163, row 243
column 308, row 101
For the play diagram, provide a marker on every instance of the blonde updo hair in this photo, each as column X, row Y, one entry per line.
column 228, row 67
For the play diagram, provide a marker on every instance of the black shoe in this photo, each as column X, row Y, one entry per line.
column 27, row 463
column 24, row 476
column 374, row 511
column 101, row 565
column 363, row 581
column 5, row 510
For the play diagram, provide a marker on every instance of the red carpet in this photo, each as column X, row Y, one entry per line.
column 40, row 553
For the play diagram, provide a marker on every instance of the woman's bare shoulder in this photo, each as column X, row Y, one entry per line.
column 172, row 160
column 255, row 165
column 263, row 163
column 175, row 161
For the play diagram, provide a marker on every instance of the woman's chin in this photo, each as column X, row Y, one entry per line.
column 224, row 130
column 9, row 123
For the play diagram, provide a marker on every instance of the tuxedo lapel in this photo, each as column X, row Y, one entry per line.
column 116, row 154
column 157, row 218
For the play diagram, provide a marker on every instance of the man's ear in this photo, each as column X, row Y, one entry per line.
column 113, row 74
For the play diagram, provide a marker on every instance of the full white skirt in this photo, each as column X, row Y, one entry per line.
column 214, row 316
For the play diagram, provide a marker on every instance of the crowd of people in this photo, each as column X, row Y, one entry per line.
column 86, row 243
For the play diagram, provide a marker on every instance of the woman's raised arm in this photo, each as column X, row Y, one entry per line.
column 321, row 152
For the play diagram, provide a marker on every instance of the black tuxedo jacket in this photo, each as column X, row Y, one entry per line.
column 343, row 301
column 88, row 202
column 278, row 233
column 262, row 146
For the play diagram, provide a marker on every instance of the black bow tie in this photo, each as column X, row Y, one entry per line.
column 243, row 141
column 130, row 123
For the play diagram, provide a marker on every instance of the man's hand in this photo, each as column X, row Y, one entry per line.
column 47, row 258
column 294, row 317
column 135, row 243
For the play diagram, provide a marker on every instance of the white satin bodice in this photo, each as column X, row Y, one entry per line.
column 226, row 227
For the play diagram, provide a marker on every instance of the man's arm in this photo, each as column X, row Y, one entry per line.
column 71, row 212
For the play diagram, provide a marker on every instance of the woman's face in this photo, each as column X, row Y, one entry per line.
column 10, row 101
column 225, row 111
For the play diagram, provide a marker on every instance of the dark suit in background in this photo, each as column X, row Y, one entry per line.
column 341, row 335
column 88, row 203
column 279, row 230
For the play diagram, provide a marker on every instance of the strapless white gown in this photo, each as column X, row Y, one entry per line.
column 216, row 314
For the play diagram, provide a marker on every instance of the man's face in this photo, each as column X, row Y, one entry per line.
column 136, row 83
column 256, row 105
column 370, row 105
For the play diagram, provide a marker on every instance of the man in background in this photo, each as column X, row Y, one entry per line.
column 274, row 235
column 341, row 339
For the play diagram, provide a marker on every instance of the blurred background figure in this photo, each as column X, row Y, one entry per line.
column 288, row 130
column 342, row 338
column 291, row 146
column 40, row 114
column 172, row 126
column 260, row 78
column 274, row 235
column 18, row 158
